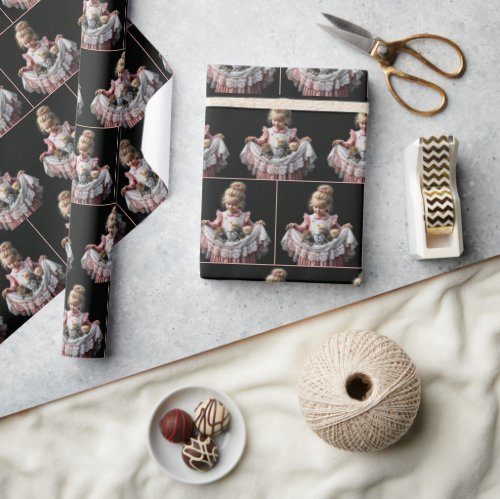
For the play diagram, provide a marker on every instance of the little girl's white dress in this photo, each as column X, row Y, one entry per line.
column 91, row 184
column 279, row 162
column 147, row 190
column 75, row 342
column 124, row 104
column 239, row 79
column 248, row 249
column 59, row 160
column 20, row 197
column 97, row 35
column 40, row 289
column 10, row 110
column 45, row 71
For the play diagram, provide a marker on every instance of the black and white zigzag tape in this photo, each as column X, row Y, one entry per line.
column 436, row 188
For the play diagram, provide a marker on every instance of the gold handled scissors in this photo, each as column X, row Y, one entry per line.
column 386, row 52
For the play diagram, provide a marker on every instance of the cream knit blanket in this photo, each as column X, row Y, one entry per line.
column 93, row 445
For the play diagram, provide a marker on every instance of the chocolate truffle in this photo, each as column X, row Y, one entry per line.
column 200, row 453
column 211, row 417
column 176, row 426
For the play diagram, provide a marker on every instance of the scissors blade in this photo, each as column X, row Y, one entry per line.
column 349, row 33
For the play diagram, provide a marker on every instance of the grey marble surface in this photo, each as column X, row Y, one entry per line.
column 160, row 308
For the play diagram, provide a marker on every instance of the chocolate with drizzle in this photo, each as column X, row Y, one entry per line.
column 176, row 426
column 211, row 417
column 200, row 453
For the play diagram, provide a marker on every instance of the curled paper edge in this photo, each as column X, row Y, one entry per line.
column 155, row 144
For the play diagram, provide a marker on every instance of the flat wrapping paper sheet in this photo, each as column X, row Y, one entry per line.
column 161, row 310
column 93, row 172
column 94, row 444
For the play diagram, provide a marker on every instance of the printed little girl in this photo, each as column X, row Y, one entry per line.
column 347, row 158
column 226, row 79
column 124, row 103
column 279, row 154
column 277, row 275
column 215, row 153
column 32, row 284
column 59, row 158
column 20, row 197
column 145, row 190
column 48, row 64
column 320, row 241
column 91, row 183
column 320, row 82
column 64, row 205
column 10, row 110
column 81, row 338
column 100, row 28
column 97, row 257
column 232, row 237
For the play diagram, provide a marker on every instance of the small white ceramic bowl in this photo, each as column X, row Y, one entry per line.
column 169, row 456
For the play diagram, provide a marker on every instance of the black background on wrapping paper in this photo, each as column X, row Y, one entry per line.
column 236, row 124
column 93, row 80
column 358, row 94
column 88, row 222
column 11, row 12
column 73, row 84
column 21, row 148
column 91, row 222
column 260, row 201
column 260, row 272
column 103, row 66
column 50, row 18
column 105, row 148
column 135, row 136
column 91, row 227
column 28, row 244
column 43, row 25
column 22, row 145
column 4, row 19
column 136, row 55
column 293, row 202
column 293, row 196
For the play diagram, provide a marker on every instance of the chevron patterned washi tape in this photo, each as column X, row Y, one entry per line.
column 439, row 206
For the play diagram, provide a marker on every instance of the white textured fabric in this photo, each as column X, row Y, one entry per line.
column 93, row 445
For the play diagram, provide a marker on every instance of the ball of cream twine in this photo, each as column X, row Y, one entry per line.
column 359, row 391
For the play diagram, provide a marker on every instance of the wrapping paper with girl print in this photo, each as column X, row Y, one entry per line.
column 114, row 187
column 284, row 173
column 39, row 96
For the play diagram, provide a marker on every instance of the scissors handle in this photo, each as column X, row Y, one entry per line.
column 391, row 72
column 402, row 45
column 386, row 52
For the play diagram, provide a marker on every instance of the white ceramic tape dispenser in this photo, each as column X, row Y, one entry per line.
column 432, row 202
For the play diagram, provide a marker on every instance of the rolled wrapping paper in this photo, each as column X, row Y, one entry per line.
column 97, row 172
column 113, row 186
column 359, row 391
